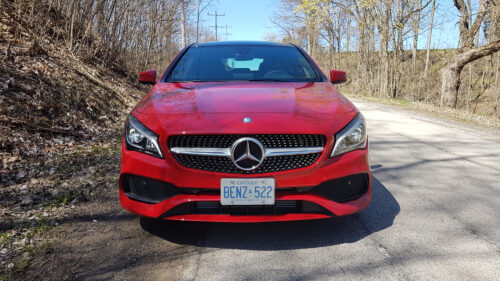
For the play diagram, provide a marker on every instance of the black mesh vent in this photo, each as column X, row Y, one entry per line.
column 269, row 141
column 343, row 189
column 225, row 165
column 147, row 190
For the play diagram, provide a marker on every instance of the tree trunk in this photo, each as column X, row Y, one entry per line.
column 183, row 24
column 414, row 52
column 32, row 8
column 383, row 50
column 451, row 73
column 198, row 22
column 348, row 39
column 309, row 42
column 429, row 39
column 416, row 28
column 71, row 30
column 496, row 83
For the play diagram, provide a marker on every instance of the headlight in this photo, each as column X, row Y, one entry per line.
column 352, row 137
column 142, row 139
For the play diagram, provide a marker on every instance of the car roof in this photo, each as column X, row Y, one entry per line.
column 241, row 43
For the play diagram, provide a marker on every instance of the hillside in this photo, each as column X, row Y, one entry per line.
column 51, row 99
column 61, row 114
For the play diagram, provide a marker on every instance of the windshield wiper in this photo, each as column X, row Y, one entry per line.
column 195, row 81
column 268, row 80
column 251, row 80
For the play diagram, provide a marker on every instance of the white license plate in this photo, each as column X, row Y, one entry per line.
column 247, row 191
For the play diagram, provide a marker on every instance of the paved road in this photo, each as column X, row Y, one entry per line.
column 434, row 216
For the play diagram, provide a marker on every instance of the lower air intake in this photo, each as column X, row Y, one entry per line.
column 281, row 207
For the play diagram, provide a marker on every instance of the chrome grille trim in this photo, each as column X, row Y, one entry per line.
column 267, row 140
column 226, row 152
column 202, row 151
column 269, row 152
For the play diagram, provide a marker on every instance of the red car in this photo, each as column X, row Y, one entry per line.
column 244, row 132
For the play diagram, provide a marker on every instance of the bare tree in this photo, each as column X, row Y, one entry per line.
column 201, row 6
column 136, row 33
column 466, row 53
column 382, row 38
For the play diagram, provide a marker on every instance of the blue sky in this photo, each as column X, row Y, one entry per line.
column 250, row 20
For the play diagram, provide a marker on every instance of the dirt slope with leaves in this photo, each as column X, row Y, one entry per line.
column 61, row 116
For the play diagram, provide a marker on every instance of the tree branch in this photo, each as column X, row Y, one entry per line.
column 470, row 55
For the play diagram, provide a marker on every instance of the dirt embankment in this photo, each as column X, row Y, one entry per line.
column 61, row 117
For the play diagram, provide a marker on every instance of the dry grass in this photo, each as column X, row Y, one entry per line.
column 478, row 95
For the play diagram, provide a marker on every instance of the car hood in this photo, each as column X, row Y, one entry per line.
column 198, row 108
column 252, row 97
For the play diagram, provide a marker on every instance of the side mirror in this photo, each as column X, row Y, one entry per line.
column 337, row 76
column 147, row 77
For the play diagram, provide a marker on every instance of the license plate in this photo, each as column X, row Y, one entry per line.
column 247, row 191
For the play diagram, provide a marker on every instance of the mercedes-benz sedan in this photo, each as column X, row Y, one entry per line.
column 244, row 132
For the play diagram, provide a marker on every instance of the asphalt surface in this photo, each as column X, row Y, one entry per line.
column 434, row 216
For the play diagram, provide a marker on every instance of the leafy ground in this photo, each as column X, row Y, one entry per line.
column 35, row 213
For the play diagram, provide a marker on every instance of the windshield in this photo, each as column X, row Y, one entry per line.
column 243, row 63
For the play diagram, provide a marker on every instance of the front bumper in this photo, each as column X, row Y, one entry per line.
column 330, row 187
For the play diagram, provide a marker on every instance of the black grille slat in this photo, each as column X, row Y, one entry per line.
column 269, row 141
column 225, row 165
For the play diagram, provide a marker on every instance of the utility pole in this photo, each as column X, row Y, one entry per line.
column 226, row 31
column 216, row 26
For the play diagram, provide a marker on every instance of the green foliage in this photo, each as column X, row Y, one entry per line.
column 5, row 238
column 367, row 3
column 56, row 202
column 44, row 247
column 21, row 265
column 312, row 9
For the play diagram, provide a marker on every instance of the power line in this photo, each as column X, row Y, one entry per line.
column 216, row 26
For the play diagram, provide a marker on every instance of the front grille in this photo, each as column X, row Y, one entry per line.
column 225, row 165
column 269, row 141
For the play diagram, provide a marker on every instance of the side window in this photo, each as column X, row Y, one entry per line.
column 183, row 69
column 307, row 71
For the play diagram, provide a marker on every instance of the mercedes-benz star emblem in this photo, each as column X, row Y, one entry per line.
column 247, row 154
